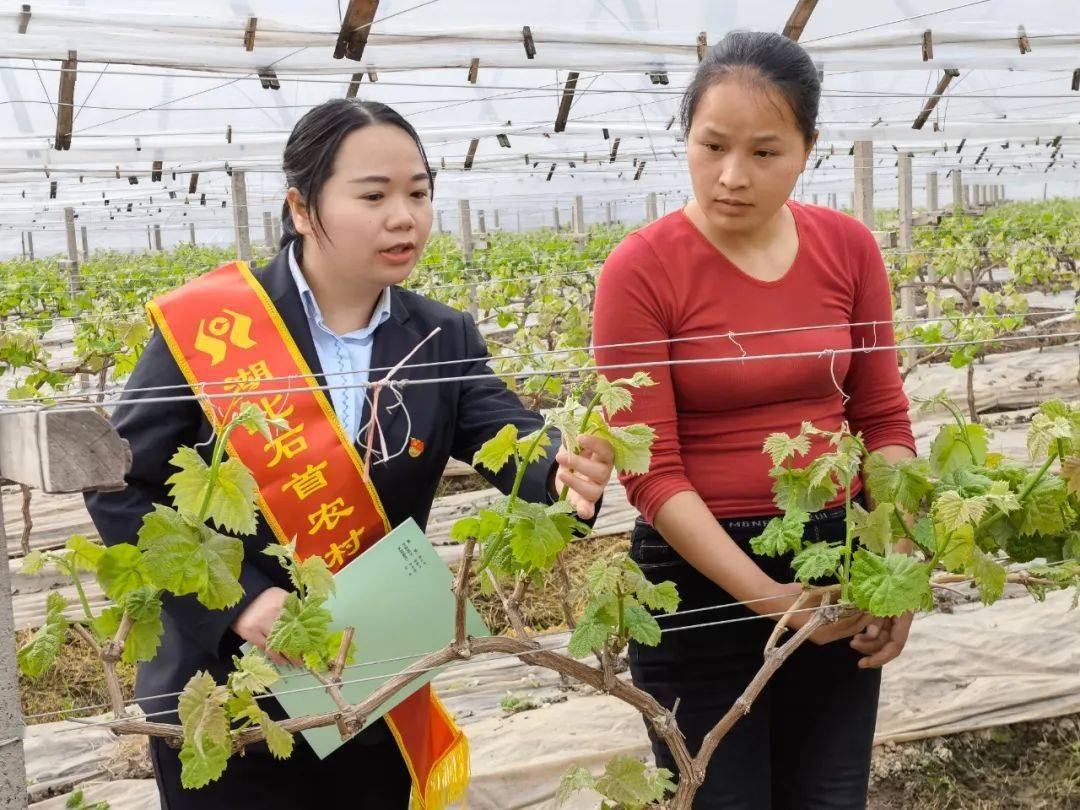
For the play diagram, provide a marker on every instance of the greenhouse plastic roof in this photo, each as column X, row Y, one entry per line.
column 163, row 82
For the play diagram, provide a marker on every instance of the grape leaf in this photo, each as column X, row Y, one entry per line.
column 953, row 510
column 530, row 452
column 959, row 545
column 496, row 451
column 207, row 744
column 33, row 562
column 628, row 783
column 38, row 654
column 1044, row 431
column 184, row 558
column 780, row 447
column 906, row 483
column 144, row 637
column 889, row 585
column 988, row 575
column 252, row 673
column 641, row 625
column 301, row 627
column 1040, row 511
column 232, row 504
column 589, row 634
column 662, row 596
column 816, row 560
column 794, row 492
column 781, row 535
column 84, row 554
column 121, row 570
column 1070, row 473
column 536, row 541
column 873, row 529
column 312, row 575
column 577, row 778
column 950, row 449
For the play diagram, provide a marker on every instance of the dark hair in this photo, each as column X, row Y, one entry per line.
column 767, row 58
column 313, row 144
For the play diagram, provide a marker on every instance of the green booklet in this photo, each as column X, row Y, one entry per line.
column 398, row 598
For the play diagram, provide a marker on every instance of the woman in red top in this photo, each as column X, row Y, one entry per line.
column 742, row 258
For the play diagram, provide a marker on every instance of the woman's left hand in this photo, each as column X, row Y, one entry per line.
column 882, row 640
column 586, row 473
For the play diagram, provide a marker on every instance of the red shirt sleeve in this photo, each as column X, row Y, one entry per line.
column 878, row 407
column 634, row 303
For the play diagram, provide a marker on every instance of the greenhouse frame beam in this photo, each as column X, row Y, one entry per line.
column 800, row 16
column 932, row 102
column 65, row 103
column 355, row 28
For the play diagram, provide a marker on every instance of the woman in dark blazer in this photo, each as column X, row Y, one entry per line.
column 356, row 217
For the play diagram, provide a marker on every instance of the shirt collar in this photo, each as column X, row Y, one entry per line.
column 314, row 314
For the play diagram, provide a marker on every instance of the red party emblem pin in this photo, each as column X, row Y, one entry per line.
column 416, row 447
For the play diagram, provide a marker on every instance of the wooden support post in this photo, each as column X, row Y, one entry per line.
column 481, row 222
column 85, row 243
column 813, row 199
column 22, row 238
column 702, row 45
column 1022, row 40
column 474, row 70
column 833, row 203
column 465, row 228
column 268, row 229
column 65, row 102
column 931, row 192
column 967, row 196
column 863, row 194
column 932, row 102
column 578, row 215
column 193, row 183
column 800, row 15
column 927, row 45
column 957, row 191
column 496, row 219
column 149, row 238
column 567, row 99
column 650, row 207
column 24, row 18
column 907, row 242
column 30, row 244
column 555, row 217
column 354, row 85
column 439, row 222
column 155, row 171
column 607, row 213
column 517, row 215
column 240, row 215
column 355, row 27
column 530, row 45
column 157, row 238
column 72, row 245
column 191, row 232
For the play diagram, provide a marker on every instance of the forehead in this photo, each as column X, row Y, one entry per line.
column 744, row 108
column 383, row 147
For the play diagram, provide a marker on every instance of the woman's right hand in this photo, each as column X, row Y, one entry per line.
column 833, row 631
column 257, row 619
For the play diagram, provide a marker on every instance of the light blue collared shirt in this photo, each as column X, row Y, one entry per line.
column 350, row 353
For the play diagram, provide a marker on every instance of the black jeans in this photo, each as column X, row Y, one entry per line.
column 807, row 740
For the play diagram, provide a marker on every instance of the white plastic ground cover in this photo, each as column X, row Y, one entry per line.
column 1015, row 661
column 157, row 83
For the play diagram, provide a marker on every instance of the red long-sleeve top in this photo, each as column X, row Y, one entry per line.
column 667, row 281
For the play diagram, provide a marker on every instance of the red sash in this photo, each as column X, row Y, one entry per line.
column 227, row 337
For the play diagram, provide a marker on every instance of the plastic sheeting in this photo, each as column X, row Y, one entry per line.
column 160, row 83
